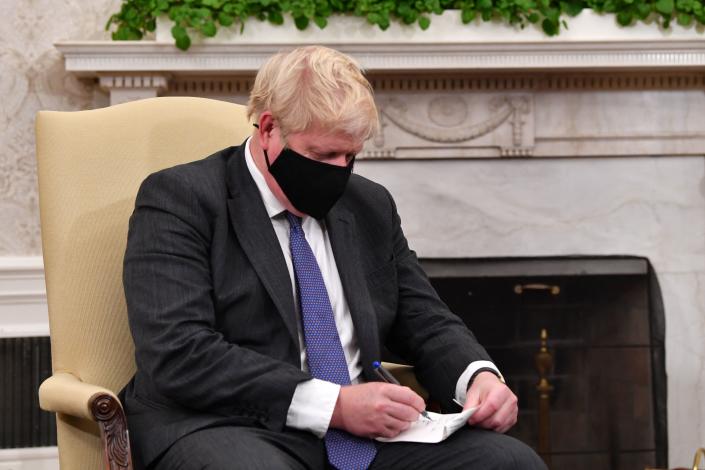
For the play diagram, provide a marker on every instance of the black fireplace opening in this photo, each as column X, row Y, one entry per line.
column 604, row 331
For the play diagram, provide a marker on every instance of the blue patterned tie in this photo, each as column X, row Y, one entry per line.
column 326, row 359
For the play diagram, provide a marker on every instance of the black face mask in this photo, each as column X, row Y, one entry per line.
column 312, row 187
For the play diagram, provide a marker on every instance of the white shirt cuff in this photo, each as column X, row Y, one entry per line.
column 461, row 388
column 312, row 406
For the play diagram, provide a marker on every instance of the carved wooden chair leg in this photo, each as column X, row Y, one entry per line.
column 110, row 416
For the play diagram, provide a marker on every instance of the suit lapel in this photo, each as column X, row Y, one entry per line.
column 256, row 235
column 340, row 223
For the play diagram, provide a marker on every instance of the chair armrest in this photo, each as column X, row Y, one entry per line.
column 405, row 375
column 65, row 393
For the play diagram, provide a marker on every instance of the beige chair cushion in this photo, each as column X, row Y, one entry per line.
column 90, row 165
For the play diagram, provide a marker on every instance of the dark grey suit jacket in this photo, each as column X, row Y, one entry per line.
column 211, row 310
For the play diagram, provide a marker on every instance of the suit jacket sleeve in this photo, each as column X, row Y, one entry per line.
column 435, row 340
column 168, row 288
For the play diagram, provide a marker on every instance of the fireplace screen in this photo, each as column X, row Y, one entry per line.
column 605, row 383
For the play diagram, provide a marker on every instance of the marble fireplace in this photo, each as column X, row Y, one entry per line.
column 512, row 150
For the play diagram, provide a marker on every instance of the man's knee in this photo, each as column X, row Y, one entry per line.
column 233, row 448
column 469, row 448
column 509, row 453
column 264, row 461
column 489, row 450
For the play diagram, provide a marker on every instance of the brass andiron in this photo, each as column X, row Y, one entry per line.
column 521, row 288
column 544, row 364
column 699, row 459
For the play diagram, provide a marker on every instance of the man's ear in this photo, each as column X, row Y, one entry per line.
column 265, row 127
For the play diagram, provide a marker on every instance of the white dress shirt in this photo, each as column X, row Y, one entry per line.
column 314, row 400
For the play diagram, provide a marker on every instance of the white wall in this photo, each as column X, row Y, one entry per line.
column 32, row 78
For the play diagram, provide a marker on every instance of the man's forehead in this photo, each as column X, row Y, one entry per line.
column 330, row 142
column 335, row 147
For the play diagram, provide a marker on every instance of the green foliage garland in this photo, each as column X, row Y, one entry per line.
column 137, row 17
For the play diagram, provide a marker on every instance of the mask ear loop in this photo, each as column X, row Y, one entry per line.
column 266, row 157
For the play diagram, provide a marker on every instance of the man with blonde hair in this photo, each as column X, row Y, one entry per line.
column 264, row 281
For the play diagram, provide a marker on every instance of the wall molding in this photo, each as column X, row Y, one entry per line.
column 29, row 453
column 30, row 458
column 23, row 300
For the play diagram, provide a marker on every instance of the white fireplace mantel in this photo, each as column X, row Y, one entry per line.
column 140, row 69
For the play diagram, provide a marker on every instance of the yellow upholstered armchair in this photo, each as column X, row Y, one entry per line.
column 90, row 165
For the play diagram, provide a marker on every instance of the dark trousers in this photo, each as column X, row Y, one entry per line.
column 230, row 447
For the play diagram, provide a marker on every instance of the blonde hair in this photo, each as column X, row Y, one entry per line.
column 315, row 86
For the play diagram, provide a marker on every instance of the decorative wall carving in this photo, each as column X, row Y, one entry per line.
column 33, row 78
column 449, row 114
column 499, row 125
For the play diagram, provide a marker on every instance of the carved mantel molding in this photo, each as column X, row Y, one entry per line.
column 87, row 58
column 132, row 86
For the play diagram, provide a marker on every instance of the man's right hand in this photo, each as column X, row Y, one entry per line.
column 376, row 409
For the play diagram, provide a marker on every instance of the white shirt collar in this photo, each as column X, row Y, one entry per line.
column 271, row 203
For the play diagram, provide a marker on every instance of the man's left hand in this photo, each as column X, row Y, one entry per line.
column 497, row 405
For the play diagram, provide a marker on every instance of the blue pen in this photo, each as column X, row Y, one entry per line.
column 386, row 376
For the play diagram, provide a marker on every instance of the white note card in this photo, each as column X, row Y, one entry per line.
column 431, row 431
